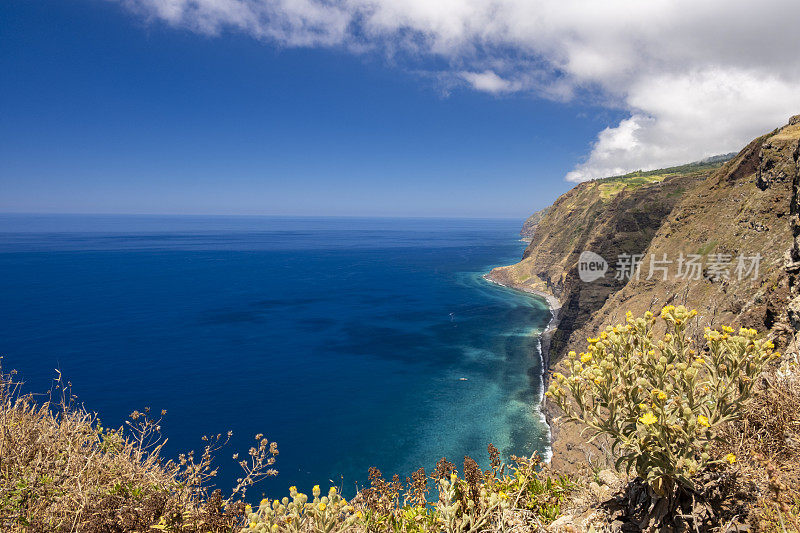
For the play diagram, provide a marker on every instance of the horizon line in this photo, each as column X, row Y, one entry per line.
column 257, row 215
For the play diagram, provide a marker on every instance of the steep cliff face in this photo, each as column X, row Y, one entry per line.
column 608, row 217
column 732, row 221
column 739, row 224
column 736, row 225
column 750, row 206
column 784, row 170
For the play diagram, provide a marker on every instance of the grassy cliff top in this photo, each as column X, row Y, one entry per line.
column 611, row 186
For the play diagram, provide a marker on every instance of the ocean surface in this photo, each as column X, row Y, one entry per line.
column 352, row 342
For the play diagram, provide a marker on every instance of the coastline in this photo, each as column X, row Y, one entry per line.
column 555, row 308
column 544, row 351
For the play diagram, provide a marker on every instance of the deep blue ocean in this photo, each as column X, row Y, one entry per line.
column 351, row 342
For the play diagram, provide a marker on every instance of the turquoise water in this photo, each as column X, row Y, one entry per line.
column 350, row 342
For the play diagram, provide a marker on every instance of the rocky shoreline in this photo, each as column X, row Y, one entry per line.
column 544, row 346
column 555, row 311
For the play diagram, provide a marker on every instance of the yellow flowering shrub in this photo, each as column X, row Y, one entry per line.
column 662, row 400
column 478, row 501
column 296, row 513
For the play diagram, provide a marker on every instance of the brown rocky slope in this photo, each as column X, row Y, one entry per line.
column 748, row 207
column 597, row 216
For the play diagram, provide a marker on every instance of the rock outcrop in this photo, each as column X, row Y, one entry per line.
column 783, row 169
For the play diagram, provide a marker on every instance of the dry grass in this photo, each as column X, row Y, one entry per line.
column 60, row 470
column 771, row 424
column 767, row 441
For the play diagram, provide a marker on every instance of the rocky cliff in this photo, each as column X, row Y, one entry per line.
column 612, row 217
column 725, row 241
column 735, row 225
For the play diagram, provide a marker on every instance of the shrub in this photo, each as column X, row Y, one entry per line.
column 61, row 470
column 662, row 401
column 478, row 501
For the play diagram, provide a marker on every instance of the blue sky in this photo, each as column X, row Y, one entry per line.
column 103, row 113
column 118, row 109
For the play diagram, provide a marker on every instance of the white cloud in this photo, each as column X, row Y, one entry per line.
column 489, row 82
column 685, row 117
column 697, row 78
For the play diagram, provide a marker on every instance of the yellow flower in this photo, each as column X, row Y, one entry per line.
column 703, row 421
column 292, row 489
column 503, row 495
column 264, row 502
column 648, row 419
column 700, row 361
column 662, row 395
column 360, row 514
column 585, row 358
column 248, row 509
column 321, row 506
column 731, row 458
column 571, row 354
column 252, row 525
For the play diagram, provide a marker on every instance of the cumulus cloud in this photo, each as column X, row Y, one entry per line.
column 696, row 78
column 686, row 117
column 489, row 82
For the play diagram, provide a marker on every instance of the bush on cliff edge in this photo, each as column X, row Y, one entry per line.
column 61, row 470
